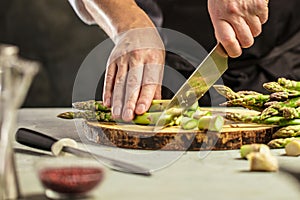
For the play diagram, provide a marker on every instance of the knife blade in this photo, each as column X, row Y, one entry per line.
column 41, row 141
column 204, row 76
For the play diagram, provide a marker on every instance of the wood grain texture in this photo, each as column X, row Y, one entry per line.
column 173, row 138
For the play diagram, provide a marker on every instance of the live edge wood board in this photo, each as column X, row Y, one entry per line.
column 232, row 136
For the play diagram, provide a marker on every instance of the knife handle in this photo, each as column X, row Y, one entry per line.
column 34, row 139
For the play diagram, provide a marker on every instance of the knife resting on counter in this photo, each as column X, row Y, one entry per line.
column 41, row 141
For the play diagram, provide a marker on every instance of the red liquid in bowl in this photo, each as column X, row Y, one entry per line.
column 71, row 180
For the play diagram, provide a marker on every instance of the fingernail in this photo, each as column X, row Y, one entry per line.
column 128, row 114
column 117, row 111
column 141, row 107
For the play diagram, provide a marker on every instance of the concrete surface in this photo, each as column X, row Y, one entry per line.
column 176, row 175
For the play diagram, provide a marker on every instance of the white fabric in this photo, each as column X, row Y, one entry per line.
column 81, row 11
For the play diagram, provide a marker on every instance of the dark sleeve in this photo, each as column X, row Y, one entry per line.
column 275, row 53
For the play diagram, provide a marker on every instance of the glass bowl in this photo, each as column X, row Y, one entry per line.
column 69, row 178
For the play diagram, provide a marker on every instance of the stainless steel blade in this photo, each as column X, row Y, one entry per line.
column 205, row 75
column 116, row 164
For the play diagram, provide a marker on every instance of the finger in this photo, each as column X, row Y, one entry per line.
column 262, row 11
column 109, row 83
column 226, row 36
column 243, row 33
column 254, row 25
column 119, row 89
column 133, row 86
column 152, row 77
column 157, row 94
column 145, row 98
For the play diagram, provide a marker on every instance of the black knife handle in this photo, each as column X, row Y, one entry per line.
column 34, row 139
column 41, row 141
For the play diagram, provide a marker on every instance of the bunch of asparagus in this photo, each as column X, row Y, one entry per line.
column 281, row 106
column 192, row 118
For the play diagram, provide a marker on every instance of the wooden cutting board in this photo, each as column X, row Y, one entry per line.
column 232, row 136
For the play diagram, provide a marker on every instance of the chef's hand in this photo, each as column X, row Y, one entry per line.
column 134, row 73
column 237, row 22
column 135, row 67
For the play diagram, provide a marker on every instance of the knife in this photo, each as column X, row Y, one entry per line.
column 41, row 141
column 205, row 75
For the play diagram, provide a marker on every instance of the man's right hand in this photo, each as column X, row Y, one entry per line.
column 237, row 22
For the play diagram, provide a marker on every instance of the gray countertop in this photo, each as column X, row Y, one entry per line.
column 176, row 175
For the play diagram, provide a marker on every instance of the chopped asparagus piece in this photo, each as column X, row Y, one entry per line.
column 293, row 148
column 188, row 123
column 262, row 162
column 246, row 149
column 177, row 120
column 212, row 123
column 194, row 106
column 200, row 113
column 188, row 113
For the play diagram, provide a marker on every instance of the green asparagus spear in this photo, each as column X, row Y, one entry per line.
column 156, row 105
column 91, row 105
column 289, row 84
column 281, row 121
column 270, row 103
column 274, row 120
column 151, row 118
column 145, row 119
column 276, row 87
column 279, row 96
column 230, row 94
column 269, row 112
column 288, row 131
column 243, row 93
column 238, row 117
column 227, row 92
column 252, row 102
column 290, row 113
column 293, row 102
column 278, row 108
column 281, row 142
column 88, row 115
column 174, row 111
